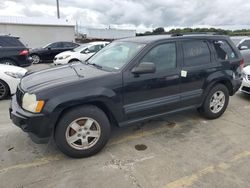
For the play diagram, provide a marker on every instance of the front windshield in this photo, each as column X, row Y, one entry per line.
column 80, row 48
column 116, row 55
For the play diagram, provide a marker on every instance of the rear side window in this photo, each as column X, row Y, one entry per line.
column 10, row 42
column 245, row 43
column 196, row 53
column 223, row 50
column 163, row 56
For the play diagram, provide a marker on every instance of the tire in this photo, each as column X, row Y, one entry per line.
column 4, row 90
column 35, row 58
column 8, row 62
column 80, row 143
column 215, row 102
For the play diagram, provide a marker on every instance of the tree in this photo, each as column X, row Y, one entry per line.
column 159, row 30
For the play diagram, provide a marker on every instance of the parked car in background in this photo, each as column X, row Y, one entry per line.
column 9, row 79
column 129, row 81
column 48, row 52
column 244, row 47
column 245, row 87
column 81, row 53
column 13, row 52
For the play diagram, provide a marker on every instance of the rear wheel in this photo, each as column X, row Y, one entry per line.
column 82, row 132
column 216, row 102
column 7, row 62
column 4, row 90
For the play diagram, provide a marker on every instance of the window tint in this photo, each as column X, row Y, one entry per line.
column 223, row 50
column 68, row 45
column 55, row 45
column 6, row 41
column 196, row 52
column 163, row 56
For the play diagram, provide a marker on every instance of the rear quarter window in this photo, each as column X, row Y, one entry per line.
column 196, row 53
column 223, row 50
column 10, row 42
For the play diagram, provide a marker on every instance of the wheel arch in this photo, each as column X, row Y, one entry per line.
column 72, row 60
column 98, row 103
column 224, row 81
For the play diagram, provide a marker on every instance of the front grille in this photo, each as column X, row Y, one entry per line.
column 19, row 96
column 248, row 77
column 247, row 89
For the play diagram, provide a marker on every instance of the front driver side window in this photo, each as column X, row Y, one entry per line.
column 163, row 56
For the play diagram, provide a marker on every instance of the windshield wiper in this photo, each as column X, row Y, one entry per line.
column 95, row 65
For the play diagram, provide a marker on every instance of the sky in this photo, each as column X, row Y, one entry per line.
column 141, row 15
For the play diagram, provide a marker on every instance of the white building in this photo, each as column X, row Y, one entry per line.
column 94, row 33
column 37, row 32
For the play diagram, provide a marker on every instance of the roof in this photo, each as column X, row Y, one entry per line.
column 18, row 20
column 155, row 38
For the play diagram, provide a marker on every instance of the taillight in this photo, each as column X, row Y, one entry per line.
column 24, row 52
column 242, row 64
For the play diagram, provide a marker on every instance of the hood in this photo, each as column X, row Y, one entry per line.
column 247, row 69
column 64, row 53
column 13, row 69
column 50, row 78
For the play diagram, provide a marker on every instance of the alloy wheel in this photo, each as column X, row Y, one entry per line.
column 83, row 133
column 217, row 102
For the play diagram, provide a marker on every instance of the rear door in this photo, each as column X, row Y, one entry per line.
column 197, row 65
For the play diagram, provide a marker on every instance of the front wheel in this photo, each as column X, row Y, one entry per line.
column 82, row 132
column 216, row 102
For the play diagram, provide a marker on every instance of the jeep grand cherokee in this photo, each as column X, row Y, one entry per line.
column 129, row 81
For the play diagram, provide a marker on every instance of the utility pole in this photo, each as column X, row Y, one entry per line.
column 58, row 11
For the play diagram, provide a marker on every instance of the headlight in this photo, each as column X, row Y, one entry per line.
column 244, row 75
column 14, row 75
column 31, row 104
column 64, row 57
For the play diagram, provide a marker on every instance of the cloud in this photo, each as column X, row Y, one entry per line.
column 142, row 14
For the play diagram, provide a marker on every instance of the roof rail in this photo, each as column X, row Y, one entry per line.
column 196, row 33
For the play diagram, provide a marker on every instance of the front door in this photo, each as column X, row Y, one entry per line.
column 154, row 93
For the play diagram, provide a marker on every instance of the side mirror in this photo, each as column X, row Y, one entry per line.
column 144, row 68
column 243, row 48
column 49, row 48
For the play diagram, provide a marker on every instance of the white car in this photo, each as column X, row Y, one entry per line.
column 245, row 87
column 10, row 77
column 80, row 53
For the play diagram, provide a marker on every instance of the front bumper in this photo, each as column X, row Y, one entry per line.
column 36, row 125
column 57, row 61
column 245, row 87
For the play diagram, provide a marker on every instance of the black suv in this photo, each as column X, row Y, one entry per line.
column 13, row 52
column 129, row 81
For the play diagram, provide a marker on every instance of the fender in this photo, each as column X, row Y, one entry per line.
column 59, row 104
column 217, row 77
